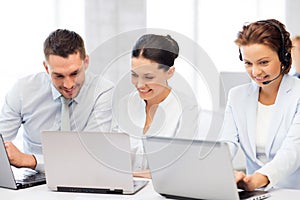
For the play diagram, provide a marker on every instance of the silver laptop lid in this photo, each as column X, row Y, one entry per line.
column 7, row 179
column 87, row 160
column 187, row 168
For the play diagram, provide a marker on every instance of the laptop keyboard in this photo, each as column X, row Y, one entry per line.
column 30, row 178
column 27, row 175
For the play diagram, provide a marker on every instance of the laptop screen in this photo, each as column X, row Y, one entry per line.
column 191, row 168
column 86, row 161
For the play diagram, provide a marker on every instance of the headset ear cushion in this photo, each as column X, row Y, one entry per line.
column 240, row 55
column 286, row 57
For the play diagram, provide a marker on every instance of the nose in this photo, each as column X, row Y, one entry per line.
column 140, row 83
column 256, row 70
column 68, row 82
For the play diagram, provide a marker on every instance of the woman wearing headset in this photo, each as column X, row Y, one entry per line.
column 263, row 116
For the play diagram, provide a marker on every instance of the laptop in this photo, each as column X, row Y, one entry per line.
column 91, row 162
column 193, row 169
column 17, row 178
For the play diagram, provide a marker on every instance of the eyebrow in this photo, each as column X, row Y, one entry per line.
column 59, row 74
column 146, row 74
column 149, row 74
column 263, row 58
column 76, row 71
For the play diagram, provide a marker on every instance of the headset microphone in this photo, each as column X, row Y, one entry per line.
column 269, row 81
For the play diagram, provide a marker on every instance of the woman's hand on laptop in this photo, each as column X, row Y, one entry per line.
column 251, row 182
column 239, row 175
column 19, row 159
column 142, row 174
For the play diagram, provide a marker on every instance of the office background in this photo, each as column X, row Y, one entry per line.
column 212, row 24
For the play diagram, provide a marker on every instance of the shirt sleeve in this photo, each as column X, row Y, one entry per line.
column 229, row 132
column 39, row 163
column 10, row 116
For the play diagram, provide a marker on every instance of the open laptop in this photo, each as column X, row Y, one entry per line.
column 92, row 162
column 17, row 178
column 182, row 168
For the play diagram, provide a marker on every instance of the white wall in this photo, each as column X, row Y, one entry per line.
column 292, row 11
column 213, row 24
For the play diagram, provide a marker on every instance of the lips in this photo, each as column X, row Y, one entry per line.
column 261, row 79
column 144, row 92
column 69, row 92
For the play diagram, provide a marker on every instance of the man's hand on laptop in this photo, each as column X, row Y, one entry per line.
column 251, row 182
column 19, row 159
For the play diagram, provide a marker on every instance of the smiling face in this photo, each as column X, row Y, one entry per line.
column 149, row 80
column 262, row 64
column 67, row 74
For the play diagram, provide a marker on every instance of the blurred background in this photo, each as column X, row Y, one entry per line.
column 211, row 24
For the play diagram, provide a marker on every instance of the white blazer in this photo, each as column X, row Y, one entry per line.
column 283, row 142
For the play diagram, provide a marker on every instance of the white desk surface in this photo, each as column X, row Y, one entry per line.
column 147, row 193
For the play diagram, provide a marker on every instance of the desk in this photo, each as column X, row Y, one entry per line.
column 147, row 193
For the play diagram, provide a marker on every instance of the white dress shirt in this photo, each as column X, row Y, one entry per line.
column 264, row 115
column 34, row 103
column 176, row 116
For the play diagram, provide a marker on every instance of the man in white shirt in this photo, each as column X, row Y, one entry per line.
column 34, row 101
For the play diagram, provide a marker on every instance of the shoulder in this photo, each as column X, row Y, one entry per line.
column 295, row 81
column 290, row 83
column 179, row 103
column 32, row 81
column 243, row 89
column 98, row 83
column 185, row 100
column 242, row 95
column 32, row 78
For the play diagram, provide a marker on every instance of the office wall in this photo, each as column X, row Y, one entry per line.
column 105, row 19
column 292, row 9
column 104, row 22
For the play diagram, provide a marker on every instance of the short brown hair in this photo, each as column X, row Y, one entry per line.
column 62, row 43
column 271, row 33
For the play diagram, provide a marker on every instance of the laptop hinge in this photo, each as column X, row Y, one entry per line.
column 89, row 190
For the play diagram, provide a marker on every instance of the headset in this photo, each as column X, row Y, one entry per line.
column 284, row 55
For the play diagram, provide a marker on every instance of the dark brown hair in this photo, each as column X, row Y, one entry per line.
column 158, row 48
column 62, row 43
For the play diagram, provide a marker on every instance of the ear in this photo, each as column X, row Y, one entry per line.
column 171, row 72
column 46, row 67
column 86, row 61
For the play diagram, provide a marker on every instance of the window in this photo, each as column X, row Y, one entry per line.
column 24, row 27
column 213, row 25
